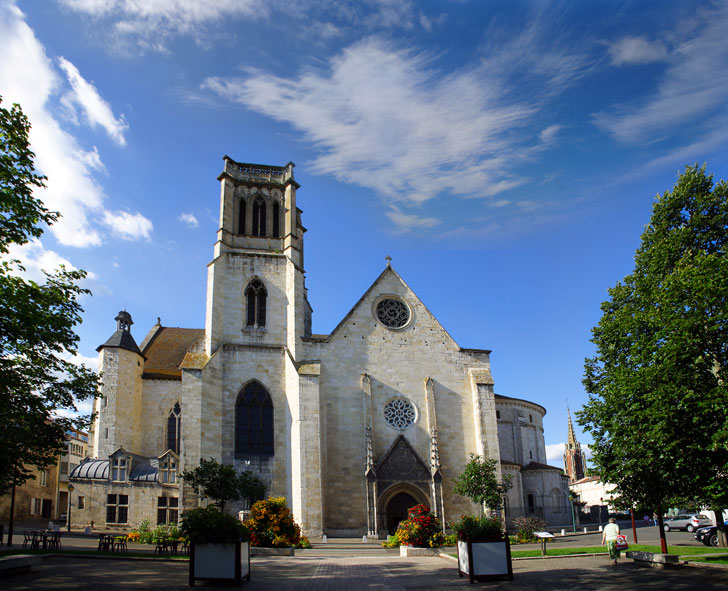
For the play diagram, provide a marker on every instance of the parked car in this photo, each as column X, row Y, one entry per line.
column 708, row 535
column 687, row 522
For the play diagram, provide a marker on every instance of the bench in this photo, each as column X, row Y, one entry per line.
column 652, row 559
column 19, row 563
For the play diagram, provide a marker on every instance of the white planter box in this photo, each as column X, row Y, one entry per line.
column 482, row 561
column 220, row 563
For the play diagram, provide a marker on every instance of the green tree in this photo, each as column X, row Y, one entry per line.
column 39, row 384
column 222, row 483
column 658, row 398
column 479, row 483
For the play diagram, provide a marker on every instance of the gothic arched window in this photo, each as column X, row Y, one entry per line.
column 241, row 217
column 276, row 230
column 173, row 428
column 255, row 298
column 254, row 421
column 259, row 211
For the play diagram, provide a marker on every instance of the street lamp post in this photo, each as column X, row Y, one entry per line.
column 68, row 519
column 572, row 498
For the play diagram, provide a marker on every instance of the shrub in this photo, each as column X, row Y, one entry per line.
column 271, row 524
column 304, row 542
column 146, row 536
column 451, row 540
column 421, row 529
column 526, row 526
column 209, row 525
column 470, row 527
column 392, row 542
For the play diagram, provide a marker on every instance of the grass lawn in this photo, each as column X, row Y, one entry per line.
column 710, row 559
column 679, row 550
column 92, row 553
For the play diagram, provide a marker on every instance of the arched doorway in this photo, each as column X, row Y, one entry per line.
column 396, row 510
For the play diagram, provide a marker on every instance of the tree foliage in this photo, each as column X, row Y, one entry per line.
column 222, row 483
column 479, row 483
column 39, row 383
column 658, row 398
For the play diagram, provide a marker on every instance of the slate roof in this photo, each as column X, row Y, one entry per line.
column 121, row 339
column 142, row 469
column 165, row 347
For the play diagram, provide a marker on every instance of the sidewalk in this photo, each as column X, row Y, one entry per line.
column 387, row 572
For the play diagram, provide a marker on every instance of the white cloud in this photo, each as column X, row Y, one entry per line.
column 189, row 219
column 637, row 50
column 548, row 135
column 28, row 77
column 690, row 89
column 385, row 119
column 406, row 222
column 129, row 226
column 36, row 259
column 555, row 453
column 149, row 25
column 96, row 109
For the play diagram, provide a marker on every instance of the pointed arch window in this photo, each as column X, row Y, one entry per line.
column 173, row 428
column 256, row 298
column 259, row 213
column 254, row 421
column 276, row 230
column 241, row 216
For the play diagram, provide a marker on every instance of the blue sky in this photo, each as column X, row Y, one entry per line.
column 505, row 154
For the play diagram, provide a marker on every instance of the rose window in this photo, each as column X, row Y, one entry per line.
column 393, row 313
column 399, row 413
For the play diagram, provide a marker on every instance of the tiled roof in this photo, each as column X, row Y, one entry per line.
column 166, row 347
column 540, row 466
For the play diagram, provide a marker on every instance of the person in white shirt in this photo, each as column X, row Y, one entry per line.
column 609, row 535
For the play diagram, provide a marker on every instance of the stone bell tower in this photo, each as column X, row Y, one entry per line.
column 255, row 287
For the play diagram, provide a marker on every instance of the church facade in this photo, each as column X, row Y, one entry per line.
column 352, row 427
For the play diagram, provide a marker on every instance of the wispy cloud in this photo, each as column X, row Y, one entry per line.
column 386, row 118
column 128, row 226
column 690, row 88
column 135, row 26
column 636, row 50
column 96, row 109
column 408, row 222
column 189, row 219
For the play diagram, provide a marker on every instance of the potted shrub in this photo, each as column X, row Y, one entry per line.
column 484, row 550
column 219, row 550
column 420, row 530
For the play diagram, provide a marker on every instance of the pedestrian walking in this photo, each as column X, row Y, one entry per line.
column 646, row 519
column 609, row 535
column 654, row 518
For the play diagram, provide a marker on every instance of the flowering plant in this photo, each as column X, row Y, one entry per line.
column 209, row 525
column 421, row 529
column 271, row 524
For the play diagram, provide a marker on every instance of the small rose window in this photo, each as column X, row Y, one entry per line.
column 393, row 313
column 399, row 413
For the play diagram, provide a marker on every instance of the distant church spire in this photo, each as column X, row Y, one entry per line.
column 574, row 459
column 571, row 438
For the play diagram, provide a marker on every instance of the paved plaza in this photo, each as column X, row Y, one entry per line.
column 370, row 573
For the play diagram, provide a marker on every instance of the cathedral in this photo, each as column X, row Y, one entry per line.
column 352, row 427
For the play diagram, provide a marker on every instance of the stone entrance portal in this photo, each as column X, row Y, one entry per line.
column 396, row 510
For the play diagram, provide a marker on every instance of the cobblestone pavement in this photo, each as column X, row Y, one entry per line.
column 387, row 572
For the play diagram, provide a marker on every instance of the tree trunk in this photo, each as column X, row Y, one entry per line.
column 719, row 522
column 663, row 540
